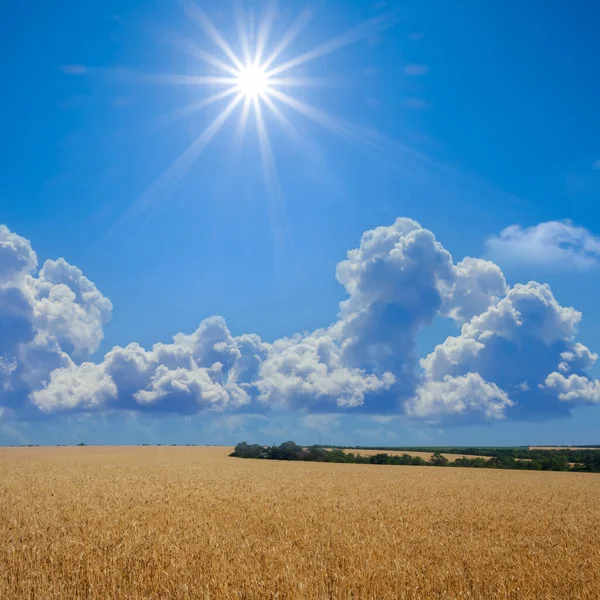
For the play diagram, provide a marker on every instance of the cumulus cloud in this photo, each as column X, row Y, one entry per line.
column 47, row 319
column 187, row 389
column 459, row 397
column 210, row 343
column 206, row 369
column 553, row 244
column 70, row 307
column 516, row 354
column 574, row 388
column 84, row 386
column 395, row 280
column 477, row 285
column 16, row 256
column 514, row 345
column 307, row 371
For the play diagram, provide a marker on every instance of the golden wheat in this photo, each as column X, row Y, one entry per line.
column 183, row 523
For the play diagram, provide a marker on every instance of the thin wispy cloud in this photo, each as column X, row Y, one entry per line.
column 416, row 70
column 555, row 245
column 417, row 104
column 75, row 69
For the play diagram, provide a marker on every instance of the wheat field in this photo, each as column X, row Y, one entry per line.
column 182, row 523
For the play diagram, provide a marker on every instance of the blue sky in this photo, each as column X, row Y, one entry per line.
column 476, row 122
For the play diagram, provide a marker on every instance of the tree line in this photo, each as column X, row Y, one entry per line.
column 496, row 458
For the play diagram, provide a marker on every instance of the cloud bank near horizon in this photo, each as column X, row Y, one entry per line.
column 515, row 355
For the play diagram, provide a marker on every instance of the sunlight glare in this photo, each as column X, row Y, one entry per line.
column 252, row 81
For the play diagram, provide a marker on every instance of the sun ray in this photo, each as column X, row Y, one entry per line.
column 264, row 145
column 190, row 109
column 192, row 10
column 243, row 121
column 402, row 156
column 179, row 167
column 283, row 120
column 256, row 79
column 264, row 31
column 193, row 50
column 277, row 212
column 369, row 27
column 240, row 18
column 299, row 82
column 175, row 79
column 290, row 35
column 334, row 124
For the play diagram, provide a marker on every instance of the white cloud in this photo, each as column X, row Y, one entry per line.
column 477, row 285
column 44, row 318
column 185, row 390
column 86, row 386
column 558, row 245
column 16, row 255
column 574, row 388
column 577, row 358
column 305, row 371
column 70, row 307
column 459, row 397
column 395, row 280
column 517, row 352
column 527, row 310
column 210, row 343
column 205, row 370
column 515, row 344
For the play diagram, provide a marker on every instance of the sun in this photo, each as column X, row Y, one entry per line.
column 251, row 78
column 252, row 82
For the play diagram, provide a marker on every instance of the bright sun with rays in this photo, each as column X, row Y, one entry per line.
column 255, row 77
column 252, row 80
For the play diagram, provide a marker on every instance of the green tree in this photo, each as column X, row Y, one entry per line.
column 438, row 460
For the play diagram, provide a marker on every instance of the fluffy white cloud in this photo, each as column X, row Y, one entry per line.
column 70, row 307
column 578, row 358
column 252, row 353
column 514, row 345
column 516, row 354
column 207, row 369
column 188, row 389
column 465, row 396
column 76, row 387
column 528, row 310
column 16, row 256
column 304, row 371
column 395, row 280
column 477, row 285
column 554, row 244
column 46, row 319
column 574, row 388
column 210, row 343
